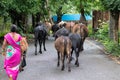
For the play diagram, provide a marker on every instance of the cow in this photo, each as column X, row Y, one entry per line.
column 69, row 26
column 63, row 46
column 55, row 28
column 48, row 26
column 82, row 30
column 76, row 45
column 63, row 31
column 40, row 34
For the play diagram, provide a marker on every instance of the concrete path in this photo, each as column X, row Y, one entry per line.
column 94, row 65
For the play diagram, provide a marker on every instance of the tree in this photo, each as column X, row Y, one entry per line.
column 57, row 7
column 20, row 9
column 3, row 11
column 114, row 7
column 84, row 7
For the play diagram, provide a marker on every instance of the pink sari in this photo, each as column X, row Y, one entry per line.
column 13, row 56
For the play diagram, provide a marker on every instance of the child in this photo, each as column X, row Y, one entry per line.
column 24, row 47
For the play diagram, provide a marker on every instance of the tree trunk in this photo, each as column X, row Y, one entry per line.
column 38, row 17
column 13, row 14
column 82, row 17
column 119, row 30
column 113, row 26
column 97, row 20
column 47, row 5
column 16, row 18
column 106, row 16
column 119, row 23
column 24, row 20
column 4, row 22
column 33, row 21
column 59, row 14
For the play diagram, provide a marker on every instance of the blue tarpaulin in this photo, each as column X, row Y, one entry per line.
column 71, row 17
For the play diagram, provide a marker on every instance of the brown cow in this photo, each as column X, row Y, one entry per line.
column 48, row 26
column 63, row 46
column 69, row 25
column 82, row 30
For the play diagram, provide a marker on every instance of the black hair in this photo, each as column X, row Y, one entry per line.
column 13, row 28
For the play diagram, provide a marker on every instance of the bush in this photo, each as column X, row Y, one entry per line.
column 102, row 36
column 2, row 33
column 112, row 48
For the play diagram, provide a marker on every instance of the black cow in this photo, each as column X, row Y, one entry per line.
column 40, row 34
column 54, row 28
column 76, row 45
column 61, row 32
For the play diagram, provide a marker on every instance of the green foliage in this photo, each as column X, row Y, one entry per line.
column 112, row 5
column 90, row 30
column 67, row 6
column 4, row 27
column 102, row 32
column 25, row 6
column 29, row 36
column 102, row 36
column 2, row 33
column 4, row 7
column 111, row 47
column 88, row 5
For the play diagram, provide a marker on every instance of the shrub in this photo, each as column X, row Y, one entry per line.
column 102, row 36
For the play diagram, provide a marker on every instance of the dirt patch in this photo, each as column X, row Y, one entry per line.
column 115, row 58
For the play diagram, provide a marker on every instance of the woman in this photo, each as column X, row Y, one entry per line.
column 12, row 52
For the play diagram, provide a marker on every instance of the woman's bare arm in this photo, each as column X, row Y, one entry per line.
column 4, row 47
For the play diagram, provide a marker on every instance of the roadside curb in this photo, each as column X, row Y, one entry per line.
column 116, row 59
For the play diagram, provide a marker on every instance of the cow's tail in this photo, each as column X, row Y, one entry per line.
column 65, row 46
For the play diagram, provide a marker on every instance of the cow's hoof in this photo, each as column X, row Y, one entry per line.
column 40, row 52
column 45, row 50
column 82, row 49
column 35, row 53
column 58, row 65
column 21, row 69
column 71, row 58
column 77, row 64
column 69, row 70
column 62, row 69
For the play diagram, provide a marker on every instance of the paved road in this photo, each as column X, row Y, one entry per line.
column 94, row 65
